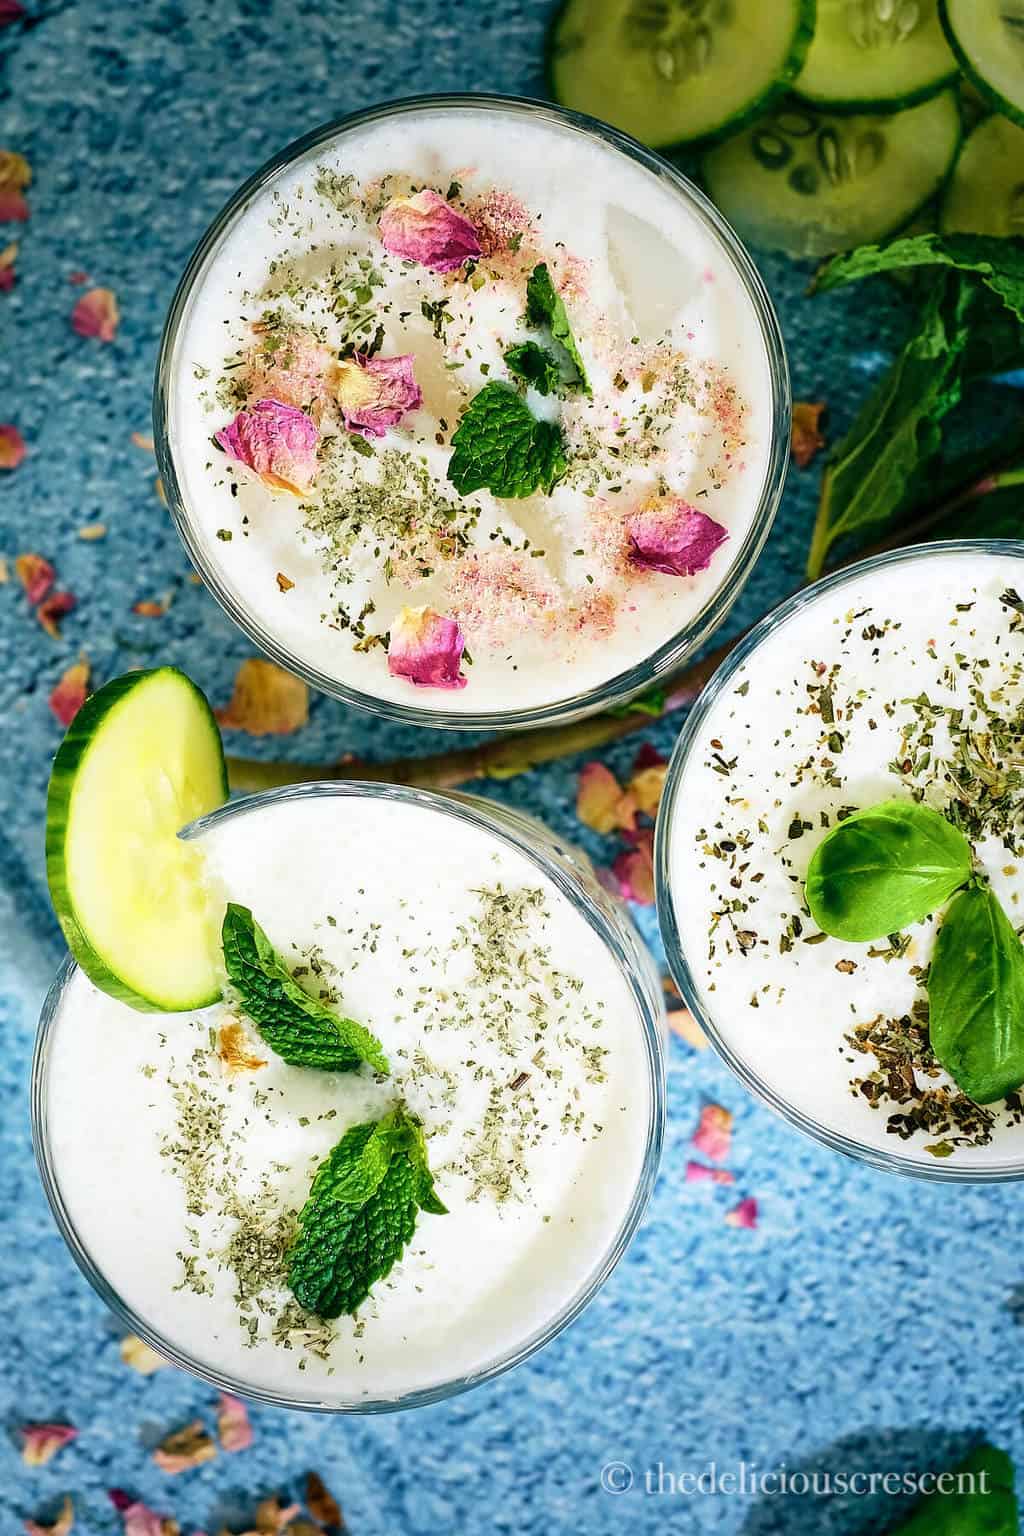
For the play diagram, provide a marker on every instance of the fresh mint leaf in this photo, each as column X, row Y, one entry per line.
column 998, row 262
column 301, row 1030
column 536, row 365
column 983, row 1502
column 976, row 997
column 544, row 306
column 884, row 868
column 501, row 447
column 361, row 1212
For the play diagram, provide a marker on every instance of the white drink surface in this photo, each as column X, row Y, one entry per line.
column 542, row 587
column 514, row 1037
column 762, row 781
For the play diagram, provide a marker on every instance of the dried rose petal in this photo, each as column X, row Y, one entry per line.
column 139, row 1519
column 806, row 439
column 66, row 1519
column 50, row 612
column 144, row 441
column 671, row 536
column 267, row 701
column 374, row 393
column 188, row 1447
column 8, row 256
column 601, row 802
column 15, row 176
column 697, row 1173
column 322, row 1505
column 713, row 1135
column 288, row 364
column 745, row 1214
column 70, row 693
column 427, row 229
column 36, row 575
column 235, row 1052
column 13, row 207
column 276, row 440
column 284, row 582
column 78, row 279
column 141, row 1356
column 634, row 868
column 12, row 447
column 273, row 1516
column 426, row 648
column 10, row 11
column 682, row 1023
column 233, row 1428
column 647, row 787
column 96, row 314
column 150, row 608
column 41, row 1442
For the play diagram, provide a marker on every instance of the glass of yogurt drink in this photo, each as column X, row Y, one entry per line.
column 897, row 684
column 472, row 411
column 502, row 1024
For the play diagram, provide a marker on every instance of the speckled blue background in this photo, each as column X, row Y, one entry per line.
column 868, row 1323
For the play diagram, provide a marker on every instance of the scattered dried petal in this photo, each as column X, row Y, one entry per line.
column 150, row 608
column 267, row 701
column 284, row 582
column 426, row 648
column 601, row 802
column 92, row 531
column 697, row 1173
column 233, row 1428
column 648, row 756
column 669, row 535
column 10, row 11
column 66, row 1519
column 634, row 868
column 142, row 1357
column 15, row 176
column 8, row 256
column 139, row 1519
column 78, row 279
column 745, row 1214
column 36, row 575
column 682, row 1023
column 427, row 229
column 647, row 787
column 96, row 314
column 50, row 612
column 5, row 574
column 144, row 441
column 12, row 447
column 322, row 1505
column 275, row 440
column 188, row 1447
column 70, row 693
column 235, row 1052
column 41, row 1442
column 13, row 207
column 161, row 494
column 272, row 1516
column 374, row 393
column 713, row 1136
column 806, row 439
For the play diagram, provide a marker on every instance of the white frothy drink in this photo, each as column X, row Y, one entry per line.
column 903, row 680
column 545, row 589
column 183, row 1147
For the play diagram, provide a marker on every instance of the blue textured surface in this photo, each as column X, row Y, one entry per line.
column 868, row 1323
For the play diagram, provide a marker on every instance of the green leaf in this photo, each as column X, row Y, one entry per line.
column 361, row 1212
column 499, row 446
column 302, row 1030
column 897, row 429
column 986, row 1506
column 976, row 997
column 884, row 868
column 536, row 365
column 998, row 262
column 544, row 306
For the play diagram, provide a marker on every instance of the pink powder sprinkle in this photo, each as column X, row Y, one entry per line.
column 500, row 220
column 293, row 370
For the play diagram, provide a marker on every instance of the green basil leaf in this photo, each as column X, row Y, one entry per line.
column 976, row 997
column 884, row 868
column 984, row 1506
column 998, row 262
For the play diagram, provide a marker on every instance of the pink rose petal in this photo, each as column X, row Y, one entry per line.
column 233, row 1428
column 426, row 648
column 374, row 393
column 13, row 207
column 139, row 1519
column 744, row 1215
column 70, row 693
column 648, row 757
column 12, row 447
column 36, row 575
column 96, row 314
column 634, row 868
column 427, row 229
column 41, row 1442
column 53, row 609
column 673, row 537
column 713, row 1136
column 601, row 802
column 698, row 1173
column 276, row 440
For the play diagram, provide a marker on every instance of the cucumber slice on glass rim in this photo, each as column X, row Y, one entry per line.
column 142, row 758
column 985, row 195
column 987, row 37
column 876, row 55
column 671, row 71
column 811, row 183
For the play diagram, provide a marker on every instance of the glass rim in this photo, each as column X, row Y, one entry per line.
column 649, row 1013
column 674, row 651
column 876, row 1157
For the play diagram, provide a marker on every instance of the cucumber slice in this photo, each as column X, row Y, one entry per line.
column 876, row 55
column 141, row 758
column 810, row 183
column 985, row 195
column 987, row 37
column 670, row 71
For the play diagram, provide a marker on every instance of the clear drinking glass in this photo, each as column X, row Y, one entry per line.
column 574, row 878
column 674, row 651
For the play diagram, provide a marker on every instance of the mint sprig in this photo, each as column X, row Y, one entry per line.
column 983, row 1502
column 544, row 306
column 361, row 1212
column 300, row 1029
column 500, row 446
column 536, row 365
